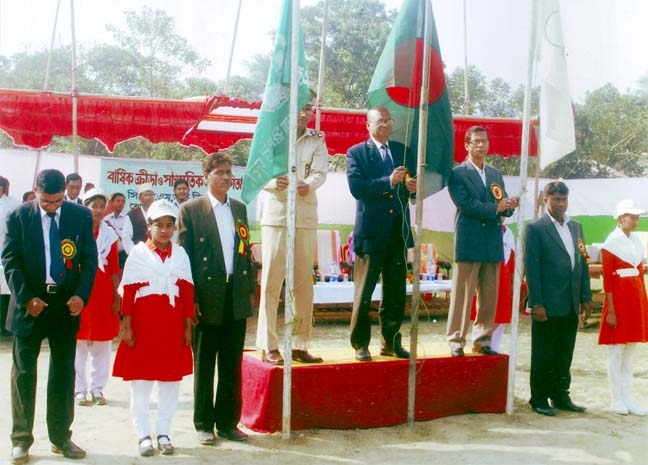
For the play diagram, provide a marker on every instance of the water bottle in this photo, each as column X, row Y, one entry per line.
column 334, row 272
column 430, row 269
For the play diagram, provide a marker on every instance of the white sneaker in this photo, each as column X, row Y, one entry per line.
column 206, row 438
column 636, row 409
column 619, row 407
column 80, row 399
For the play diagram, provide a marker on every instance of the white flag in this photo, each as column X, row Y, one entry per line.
column 557, row 137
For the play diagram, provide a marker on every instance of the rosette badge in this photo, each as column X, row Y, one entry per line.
column 497, row 191
column 582, row 250
column 68, row 250
column 244, row 234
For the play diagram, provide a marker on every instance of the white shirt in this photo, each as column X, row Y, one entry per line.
column 117, row 222
column 225, row 222
column 46, row 222
column 565, row 235
column 480, row 171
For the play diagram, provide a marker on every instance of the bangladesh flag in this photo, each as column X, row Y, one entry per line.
column 269, row 151
column 396, row 85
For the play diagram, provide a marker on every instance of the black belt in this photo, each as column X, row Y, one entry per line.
column 52, row 289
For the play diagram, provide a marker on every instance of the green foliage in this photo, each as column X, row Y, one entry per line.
column 356, row 34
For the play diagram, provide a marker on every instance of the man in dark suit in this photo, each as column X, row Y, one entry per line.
column 135, row 227
column 477, row 190
column 214, row 231
column 378, row 174
column 73, row 183
column 50, row 260
column 559, row 288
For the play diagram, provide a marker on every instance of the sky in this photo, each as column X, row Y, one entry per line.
column 605, row 40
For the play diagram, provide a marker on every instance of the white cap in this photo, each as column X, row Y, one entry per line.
column 144, row 187
column 628, row 207
column 93, row 193
column 161, row 208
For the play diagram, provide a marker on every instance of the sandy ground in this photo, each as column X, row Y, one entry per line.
column 597, row 437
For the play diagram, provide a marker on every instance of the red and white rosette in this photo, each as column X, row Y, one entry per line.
column 497, row 191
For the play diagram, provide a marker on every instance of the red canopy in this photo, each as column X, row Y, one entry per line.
column 32, row 118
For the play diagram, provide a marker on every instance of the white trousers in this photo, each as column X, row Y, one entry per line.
column 167, row 402
column 273, row 272
column 99, row 352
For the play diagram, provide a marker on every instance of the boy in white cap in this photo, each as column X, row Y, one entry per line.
column 158, row 310
column 135, row 227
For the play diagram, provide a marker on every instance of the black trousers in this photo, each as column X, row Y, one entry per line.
column 4, row 309
column 59, row 328
column 391, row 263
column 226, row 342
column 552, row 350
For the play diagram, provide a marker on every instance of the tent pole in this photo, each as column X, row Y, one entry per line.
column 231, row 55
column 75, row 94
column 49, row 55
column 289, row 314
column 322, row 62
column 418, row 229
column 524, row 158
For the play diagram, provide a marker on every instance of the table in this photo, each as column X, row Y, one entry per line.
column 342, row 292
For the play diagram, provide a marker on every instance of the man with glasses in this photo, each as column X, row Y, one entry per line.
column 377, row 171
column 50, row 260
column 73, row 183
column 477, row 190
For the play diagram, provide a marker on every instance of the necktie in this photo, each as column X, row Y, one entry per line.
column 387, row 158
column 57, row 267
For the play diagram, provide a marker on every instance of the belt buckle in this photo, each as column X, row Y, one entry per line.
column 51, row 288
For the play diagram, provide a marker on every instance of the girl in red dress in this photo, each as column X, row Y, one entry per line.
column 158, row 310
column 99, row 322
column 624, row 322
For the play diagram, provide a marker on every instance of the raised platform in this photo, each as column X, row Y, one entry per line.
column 344, row 394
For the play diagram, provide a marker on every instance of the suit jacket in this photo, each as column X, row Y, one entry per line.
column 198, row 234
column 551, row 280
column 377, row 204
column 478, row 230
column 24, row 259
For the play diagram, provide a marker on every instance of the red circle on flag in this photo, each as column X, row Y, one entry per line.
column 407, row 75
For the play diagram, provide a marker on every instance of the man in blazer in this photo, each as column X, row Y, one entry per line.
column 214, row 231
column 378, row 175
column 50, row 286
column 477, row 190
column 559, row 288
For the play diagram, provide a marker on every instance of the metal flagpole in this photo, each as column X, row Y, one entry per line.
column 231, row 55
column 418, row 230
column 524, row 158
column 466, row 108
column 320, row 74
column 289, row 312
column 75, row 94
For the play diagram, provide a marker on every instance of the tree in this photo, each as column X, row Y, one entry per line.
column 352, row 47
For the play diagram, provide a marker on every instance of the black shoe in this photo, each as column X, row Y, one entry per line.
column 394, row 349
column 567, row 405
column 457, row 352
column 363, row 355
column 303, row 356
column 233, row 434
column 69, row 450
column 484, row 350
column 543, row 409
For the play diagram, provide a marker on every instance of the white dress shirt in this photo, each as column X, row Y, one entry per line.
column 225, row 222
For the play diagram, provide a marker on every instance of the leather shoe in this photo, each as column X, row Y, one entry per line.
column 19, row 455
column 273, row 357
column 567, row 405
column 484, row 350
column 233, row 434
column 69, row 450
column 457, row 352
column 304, row 356
column 363, row 355
column 543, row 409
column 398, row 352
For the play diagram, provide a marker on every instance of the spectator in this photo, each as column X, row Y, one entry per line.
column 135, row 227
column 73, row 183
column 7, row 205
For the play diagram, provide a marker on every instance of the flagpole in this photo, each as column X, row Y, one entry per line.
column 320, row 74
column 231, row 55
column 466, row 108
column 524, row 158
column 75, row 94
column 289, row 310
column 418, row 228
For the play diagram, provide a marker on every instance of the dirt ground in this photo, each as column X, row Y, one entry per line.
column 596, row 437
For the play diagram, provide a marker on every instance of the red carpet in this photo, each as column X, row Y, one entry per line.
column 372, row 394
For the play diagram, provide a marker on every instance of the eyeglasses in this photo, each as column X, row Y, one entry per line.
column 384, row 122
column 479, row 141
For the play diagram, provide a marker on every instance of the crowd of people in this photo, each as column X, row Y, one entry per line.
column 175, row 280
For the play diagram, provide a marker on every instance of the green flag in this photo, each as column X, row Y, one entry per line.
column 269, row 151
column 396, row 85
